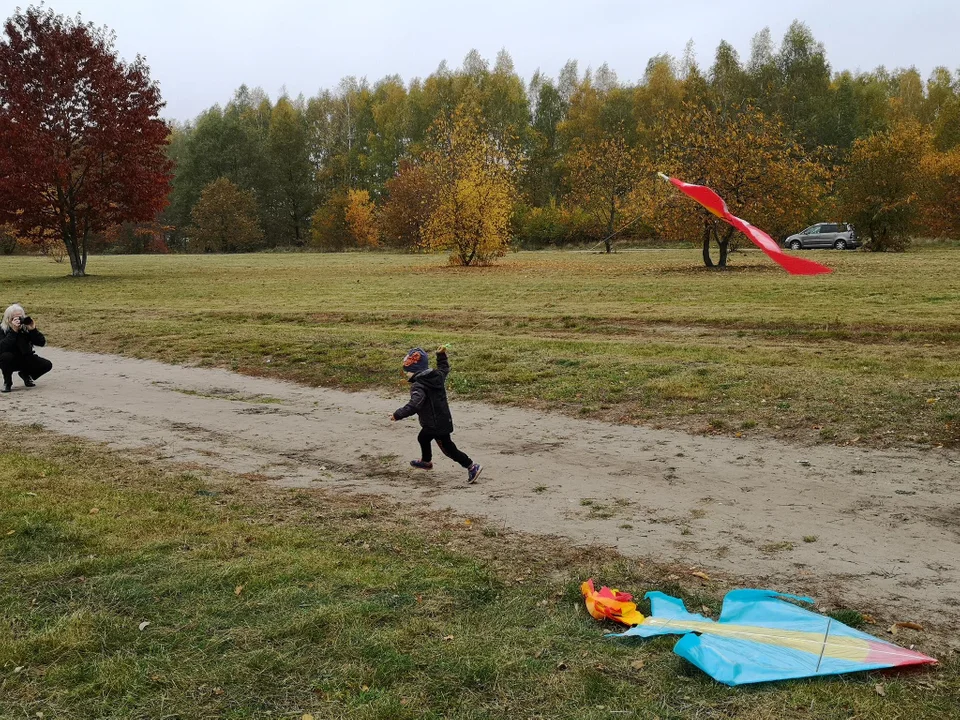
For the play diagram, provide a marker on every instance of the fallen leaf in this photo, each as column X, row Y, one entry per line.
column 673, row 577
column 18, row 668
column 909, row 625
column 218, row 691
column 364, row 688
column 869, row 619
column 31, row 494
column 448, row 637
column 637, row 664
column 142, row 626
column 892, row 629
column 705, row 609
column 701, row 575
column 238, row 589
column 10, row 532
column 880, row 691
column 467, row 522
column 94, row 511
column 307, row 716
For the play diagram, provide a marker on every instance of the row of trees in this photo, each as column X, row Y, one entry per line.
column 783, row 138
column 468, row 159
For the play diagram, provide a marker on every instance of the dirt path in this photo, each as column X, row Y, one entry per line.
column 867, row 529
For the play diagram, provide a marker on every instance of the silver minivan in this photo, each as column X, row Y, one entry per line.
column 824, row 235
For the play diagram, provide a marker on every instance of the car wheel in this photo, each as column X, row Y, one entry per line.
column 840, row 244
column 796, row 245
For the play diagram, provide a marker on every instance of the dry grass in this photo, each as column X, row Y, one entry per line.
column 867, row 355
column 267, row 603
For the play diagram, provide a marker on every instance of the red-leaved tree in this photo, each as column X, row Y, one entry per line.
column 81, row 140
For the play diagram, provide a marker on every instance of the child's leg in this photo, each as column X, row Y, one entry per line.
column 426, row 452
column 447, row 446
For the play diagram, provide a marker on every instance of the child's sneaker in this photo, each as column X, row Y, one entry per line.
column 473, row 472
column 422, row 464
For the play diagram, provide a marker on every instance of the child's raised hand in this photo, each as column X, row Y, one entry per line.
column 442, row 350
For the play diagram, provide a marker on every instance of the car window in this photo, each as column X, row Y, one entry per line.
column 812, row 230
column 829, row 228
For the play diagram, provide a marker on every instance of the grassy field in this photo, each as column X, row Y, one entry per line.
column 131, row 591
column 868, row 355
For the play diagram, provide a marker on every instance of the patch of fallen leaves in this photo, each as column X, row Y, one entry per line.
column 893, row 629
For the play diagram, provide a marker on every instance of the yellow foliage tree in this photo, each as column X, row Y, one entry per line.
column 749, row 159
column 328, row 224
column 361, row 220
column 475, row 190
column 883, row 189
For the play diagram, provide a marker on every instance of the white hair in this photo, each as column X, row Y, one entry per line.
column 8, row 316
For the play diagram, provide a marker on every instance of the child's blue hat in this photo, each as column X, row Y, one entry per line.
column 416, row 361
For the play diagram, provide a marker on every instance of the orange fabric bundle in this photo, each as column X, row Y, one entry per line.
column 608, row 604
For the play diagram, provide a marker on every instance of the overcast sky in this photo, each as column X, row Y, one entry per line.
column 201, row 50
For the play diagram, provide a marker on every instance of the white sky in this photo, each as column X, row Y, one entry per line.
column 201, row 50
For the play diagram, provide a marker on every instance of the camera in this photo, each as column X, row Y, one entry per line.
column 25, row 320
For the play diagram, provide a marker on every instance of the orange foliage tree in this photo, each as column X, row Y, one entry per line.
column 604, row 174
column 749, row 159
column 941, row 201
column 409, row 203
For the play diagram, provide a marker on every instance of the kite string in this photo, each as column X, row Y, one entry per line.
column 615, row 232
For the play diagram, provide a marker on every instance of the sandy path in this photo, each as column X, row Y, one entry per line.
column 887, row 524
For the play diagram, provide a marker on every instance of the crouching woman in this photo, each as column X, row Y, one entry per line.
column 18, row 336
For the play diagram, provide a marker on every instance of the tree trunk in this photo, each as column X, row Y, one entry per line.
column 724, row 247
column 707, row 260
column 83, row 256
column 613, row 210
column 78, row 256
column 76, row 263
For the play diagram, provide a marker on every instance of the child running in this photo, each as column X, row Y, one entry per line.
column 428, row 400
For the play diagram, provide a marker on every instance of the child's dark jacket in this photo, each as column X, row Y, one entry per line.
column 428, row 399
